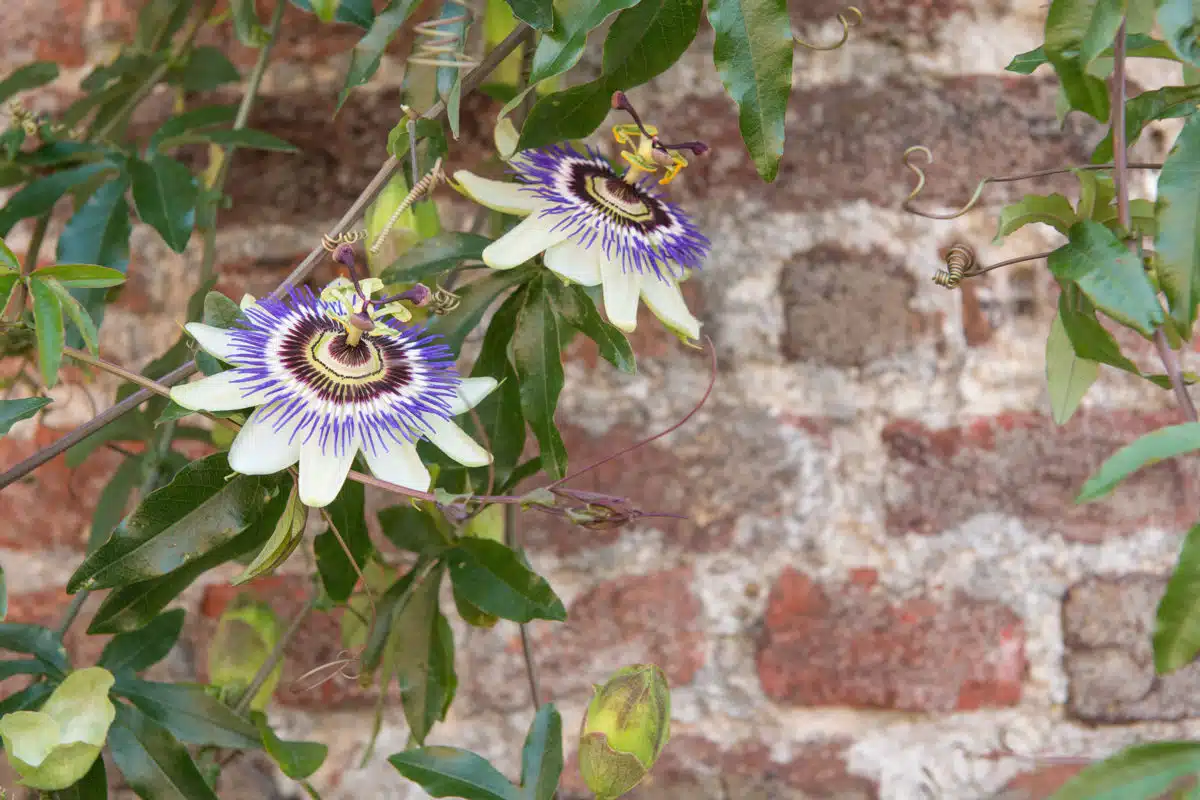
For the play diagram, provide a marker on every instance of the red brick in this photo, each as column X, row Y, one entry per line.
column 692, row 479
column 49, row 30
column 639, row 619
column 1041, row 783
column 845, row 646
column 316, row 644
column 694, row 767
column 70, row 494
column 1023, row 465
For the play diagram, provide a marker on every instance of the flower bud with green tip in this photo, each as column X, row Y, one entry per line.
column 53, row 748
column 625, row 729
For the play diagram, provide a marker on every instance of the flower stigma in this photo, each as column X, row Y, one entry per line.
column 649, row 153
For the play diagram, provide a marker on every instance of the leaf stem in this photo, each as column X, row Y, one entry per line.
column 264, row 671
column 132, row 377
column 470, row 82
column 1169, row 357
column 73, row 611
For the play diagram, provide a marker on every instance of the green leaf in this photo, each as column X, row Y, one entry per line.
column 324, row 9
column 36, row 640
column 152, row 761
column 3, row 594
column 78, row 314
column 560, row 47
column 248, row 138
column 246, row 24
column 1149, row 449
column 474, row 300
column 1067, row 23
column 451, row 772
column 39, row 196
column 165, row 195
column 500, row 412
column 753, row 55
column 1168, row 102
column 158, row 21
column 205, row 69
column 414, row 633
column 538, row 362
column 13, row 411
column 29, row 76
column 1177, row 212
column 98, row 233
column 297, row 760
column 197, row 512
column 286, row 536
column 1111, row 276
column 82, row 276
column 1025, row 63
column 494, row 579
column 189, row 712
column 1054, row 210
column 387, row 609
column 20, row 666
column 137, row 651
column 542, row 756
column 1179, row 25
column 1107, row 16
column 1177, row 629
column 92, row 786
column 1090, row 339
column 8, row 259
column 412, row 529
column 29, row 698
column 1141, row 771
column 1068, row 376
column 338, row 574
column 366, row 55
column 432, row 257
column 538, row 13
column 573, row 305
column 642, row 42
column 197, row 119
column 48, row 319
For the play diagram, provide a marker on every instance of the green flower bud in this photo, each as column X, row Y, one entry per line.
column 625, row 729
column 53, row 748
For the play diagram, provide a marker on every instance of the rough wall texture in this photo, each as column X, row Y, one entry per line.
column 883, row 588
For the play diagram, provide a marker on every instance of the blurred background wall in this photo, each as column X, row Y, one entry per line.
column 883, row 583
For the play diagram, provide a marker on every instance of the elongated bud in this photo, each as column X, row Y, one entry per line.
column 625, row 730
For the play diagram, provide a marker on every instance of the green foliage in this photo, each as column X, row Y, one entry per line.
column 1146, row 450
column 495, row 580
column 1177, row 631
column 135, row 652
column 1141, row 771
column 451, row 772
column 435, row 255
column 1054, row 210
column 346, row 516
column 153, row 761
column 1068, row 376
column 13, row 411
column 537, row 359
column 297, row 760
column 366, row 55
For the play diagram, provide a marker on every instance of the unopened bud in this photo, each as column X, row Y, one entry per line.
column 625, row 730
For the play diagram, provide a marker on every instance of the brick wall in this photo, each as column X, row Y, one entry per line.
column 883, row 583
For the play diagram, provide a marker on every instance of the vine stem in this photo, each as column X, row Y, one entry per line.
column 260, row 677
column 470, row 82
column 1169, row 357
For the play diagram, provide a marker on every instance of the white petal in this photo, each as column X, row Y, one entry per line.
column 247, row 301
column 259, row 449
column 215, row 393
column 322, row 472
column 531, row 236
column 666, row 301
column 454, row 442
column 471, row 393
column 575, row 262
column 621, row 291
column 502, row 196
column 215, row 340
column 399, row 464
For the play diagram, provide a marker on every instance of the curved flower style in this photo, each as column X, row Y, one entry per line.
column 328, row 381
column 596, row 226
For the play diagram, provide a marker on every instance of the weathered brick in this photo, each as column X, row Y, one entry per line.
column 847, row 308
column 883, row 19
column 845, row 142
column 317, row 643
column 71, row 493
column 637, row 619
column 49, row 30
column 1023, row 465
column 1040, row 783
column 691, row 478
column 1108, row 628
column 848, row 646
column 694, row 767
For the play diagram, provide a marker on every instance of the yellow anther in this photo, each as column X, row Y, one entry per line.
column 644, row 156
